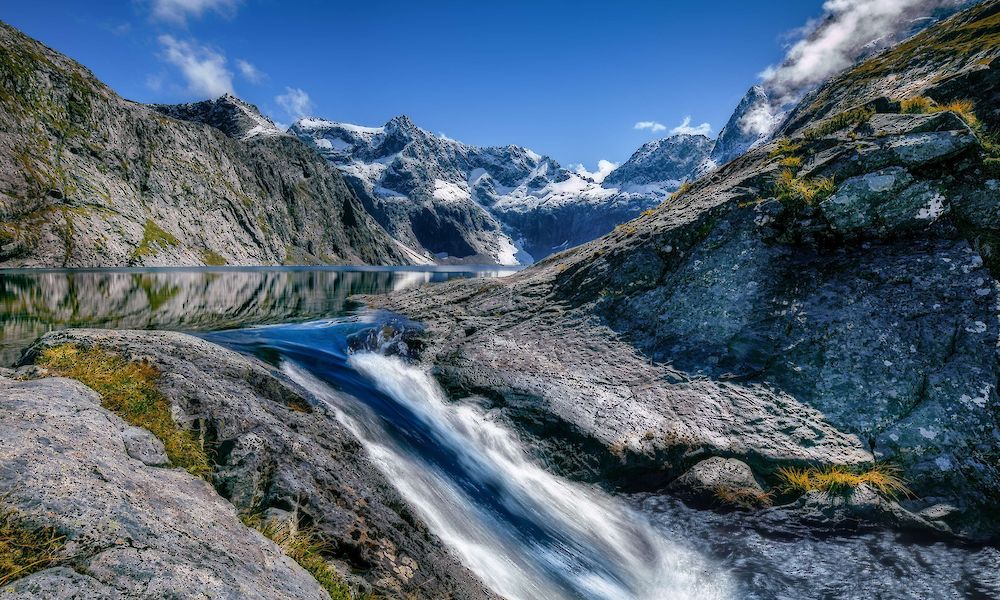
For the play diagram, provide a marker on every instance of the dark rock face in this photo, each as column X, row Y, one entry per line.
column 90, row 179
column 281, row 456
column 742, row 321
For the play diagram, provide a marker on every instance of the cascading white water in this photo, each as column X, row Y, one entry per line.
column 538, row 536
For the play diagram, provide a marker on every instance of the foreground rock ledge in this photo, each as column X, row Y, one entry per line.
column 136, row 530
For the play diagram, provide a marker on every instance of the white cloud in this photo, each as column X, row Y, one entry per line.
column 685, row 128
column 761, row 119
column 848, row 30
column 295, row 102
column 604, row 168
column 154, row 82
column 249, row 72
column 650, row 125
column 178, row 11
column 203, row 68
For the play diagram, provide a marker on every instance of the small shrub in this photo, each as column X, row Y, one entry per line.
column 648, row 212
column 838, row 479
column 786, row 147
column 791, row 162
column 307, row 549
column 797, row 193
column 129, row 390
column 154, row 234
column 916, row 106
column 24, row 548
column 685, row 188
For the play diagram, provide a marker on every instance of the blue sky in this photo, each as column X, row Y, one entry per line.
column 567, row 79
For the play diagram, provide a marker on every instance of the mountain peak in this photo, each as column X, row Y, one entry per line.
column 402, row 122
column 233, row 116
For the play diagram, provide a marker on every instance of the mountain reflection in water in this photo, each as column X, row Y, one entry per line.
column 34, row 302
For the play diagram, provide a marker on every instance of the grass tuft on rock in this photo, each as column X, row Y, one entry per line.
column 24, row 548
column 838, row 122
column 797, row 193
column 839, row 479
column 922, row 105
column 683, row 189
column 307, row 549
column 128, row 389
column 742, row 497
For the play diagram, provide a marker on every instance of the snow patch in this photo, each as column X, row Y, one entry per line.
column 450, row 192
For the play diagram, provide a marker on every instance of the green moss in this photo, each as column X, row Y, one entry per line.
column 787, row 148
column 992, row 166
column 128, row 389
column 154, row 238
column 212, row 258
column 25, row 548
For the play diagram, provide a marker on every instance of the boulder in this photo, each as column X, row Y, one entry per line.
column 143, row 446
column 720, row 480
column 854, row 205
column 862, row 507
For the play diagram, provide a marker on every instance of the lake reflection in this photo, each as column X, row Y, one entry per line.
column 34, row 302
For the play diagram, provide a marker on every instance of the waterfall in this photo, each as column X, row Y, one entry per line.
column 525, row 532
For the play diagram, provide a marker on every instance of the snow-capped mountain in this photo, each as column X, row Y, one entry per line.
column 504, row 205
column 749, row 125
column 667, row 163
column 236, row 118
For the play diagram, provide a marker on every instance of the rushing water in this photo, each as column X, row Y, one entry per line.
column 526, row 532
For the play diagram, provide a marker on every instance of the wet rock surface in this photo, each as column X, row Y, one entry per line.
column 279, row 455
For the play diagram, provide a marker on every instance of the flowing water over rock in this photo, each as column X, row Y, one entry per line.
column 530, row 534
column 526, row 532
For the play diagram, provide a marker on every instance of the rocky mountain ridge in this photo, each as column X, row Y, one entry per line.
column 90, row 179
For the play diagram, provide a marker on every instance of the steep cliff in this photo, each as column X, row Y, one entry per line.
column 90, row 179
